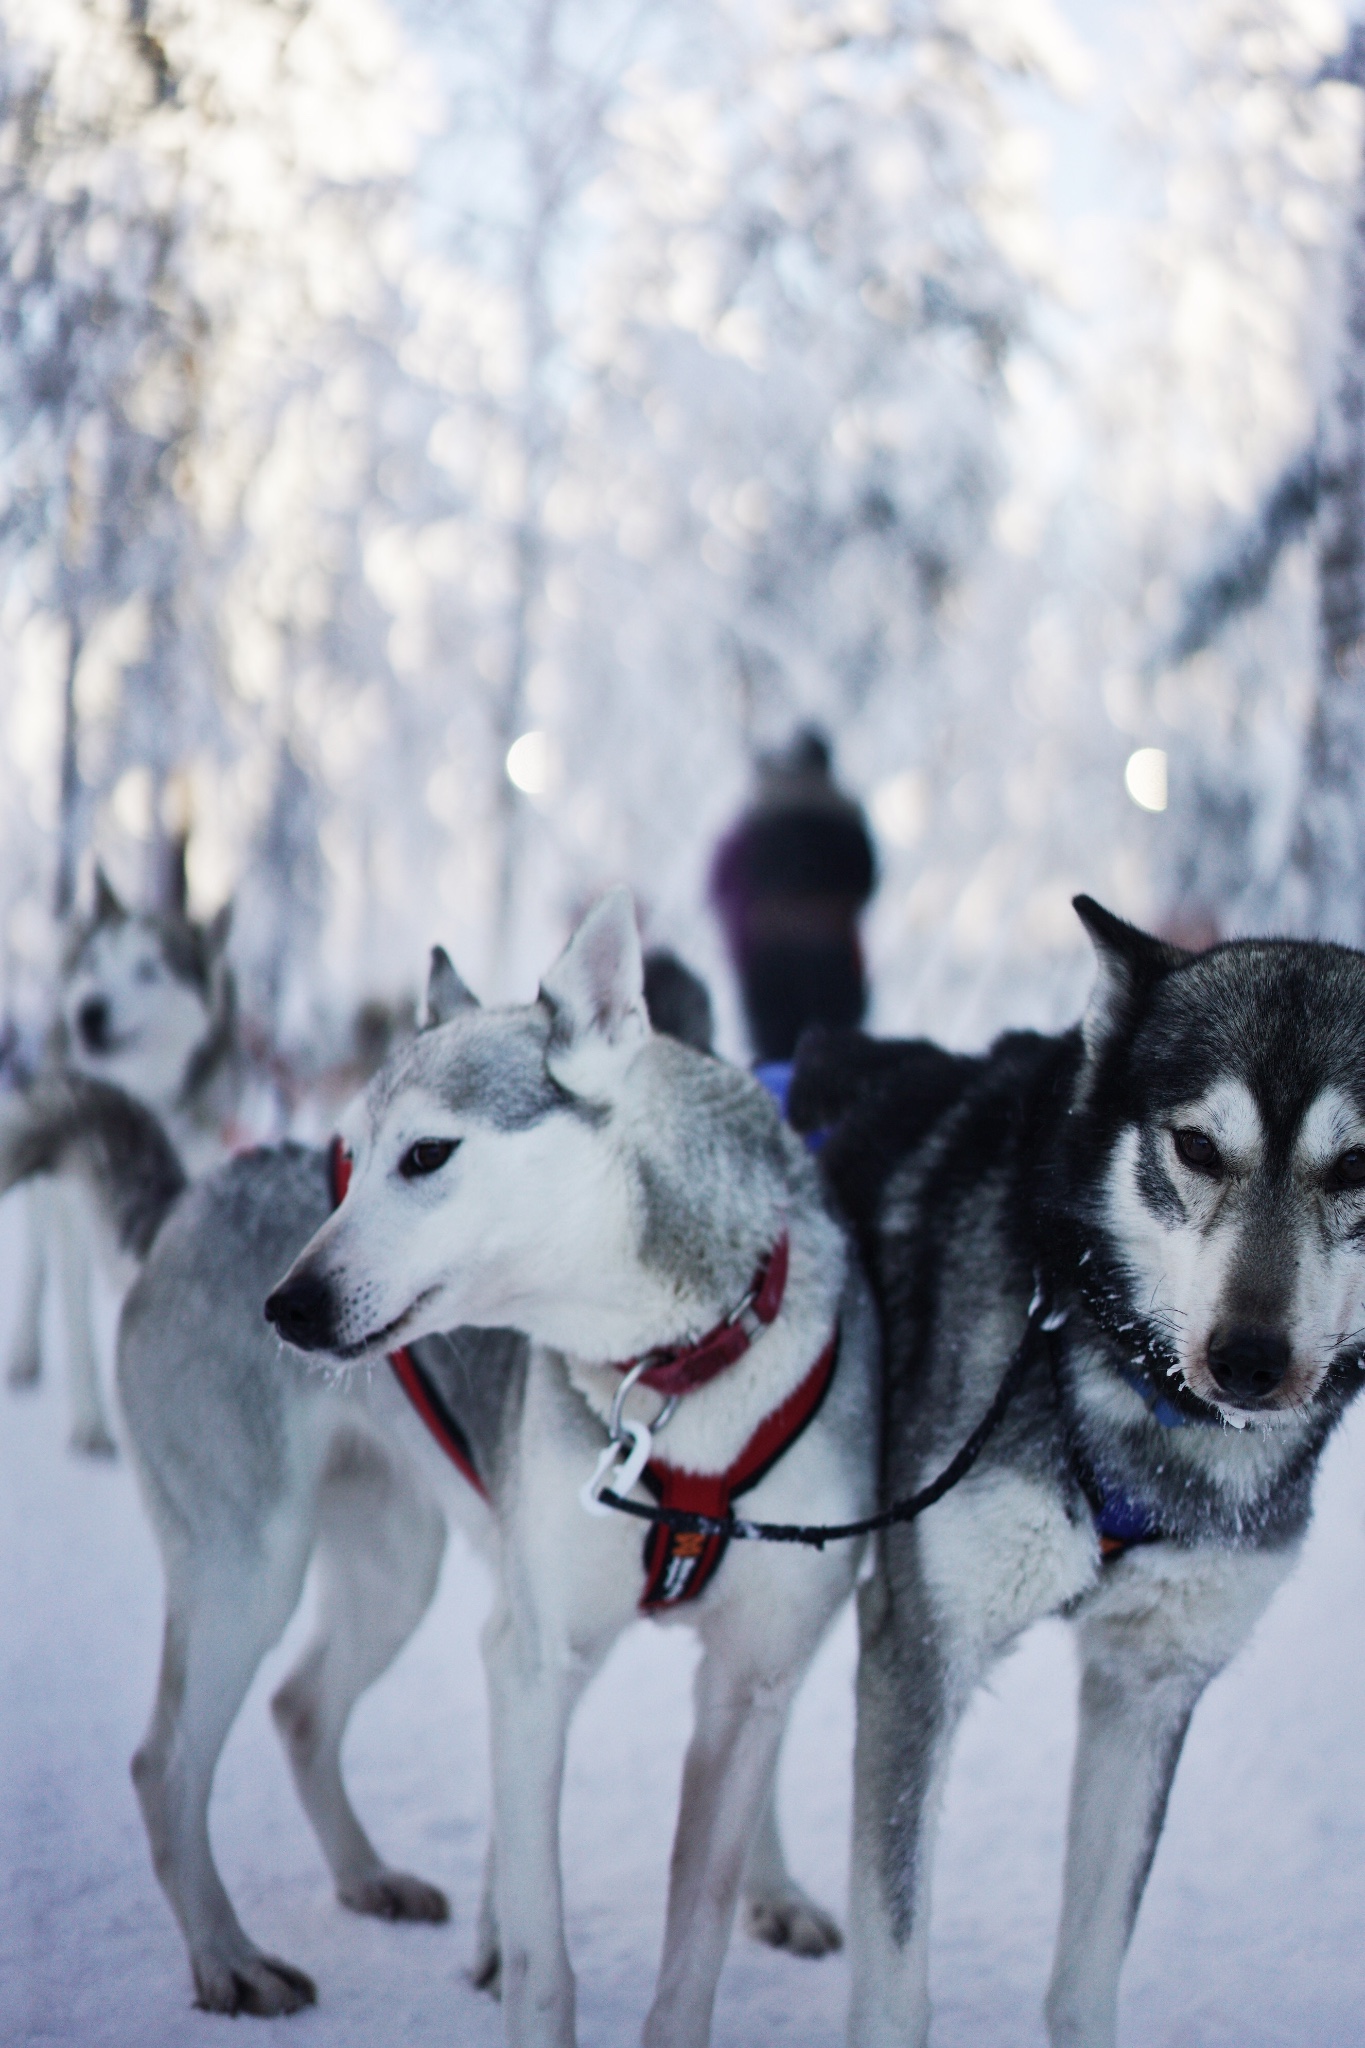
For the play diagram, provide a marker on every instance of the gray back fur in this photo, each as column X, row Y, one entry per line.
column 205, row 1382
column 202, row 1376
column 70, row 1122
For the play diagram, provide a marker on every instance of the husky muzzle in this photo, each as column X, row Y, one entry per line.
column 303, row 1310
column 1248, row 1364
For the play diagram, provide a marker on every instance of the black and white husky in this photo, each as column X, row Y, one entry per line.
column 146, row 1004
column 1166, row 1209
column 556, row 1170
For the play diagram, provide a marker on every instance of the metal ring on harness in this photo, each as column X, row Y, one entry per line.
column 615, row 1426
column 613, row 1472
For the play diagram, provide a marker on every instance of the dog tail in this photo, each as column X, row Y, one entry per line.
column 70, row 1124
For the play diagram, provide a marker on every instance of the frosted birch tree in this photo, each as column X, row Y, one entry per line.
column 99, row 343
column 1250, row 641
column 208, row 436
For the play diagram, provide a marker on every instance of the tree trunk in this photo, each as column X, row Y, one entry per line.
column 69, row 805
column 1325, row 885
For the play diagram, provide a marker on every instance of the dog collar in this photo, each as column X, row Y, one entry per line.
column 1121, row 1523
column 1170, row 1408
column 680, row 1369
column 1160, row 1406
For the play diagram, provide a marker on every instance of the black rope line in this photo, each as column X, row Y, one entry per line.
column 815, row 1534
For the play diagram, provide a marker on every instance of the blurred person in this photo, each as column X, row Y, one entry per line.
column 788, row 883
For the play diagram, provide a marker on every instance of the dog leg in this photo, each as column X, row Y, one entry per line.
column 70, row 1242
column 745, row 1684
column 908, row 1711
column 946, row 1598
column 26, row 1339
column 729, row 1764
column 535, row 1678
column 776, row 1908
column 485, row 1972
column 1147, row 1650
column 380, row 1541
column 217, row 1630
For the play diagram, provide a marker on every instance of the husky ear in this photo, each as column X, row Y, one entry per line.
column 595, row 993
column 446, row 993
column 108, row 909
column 1129, row 962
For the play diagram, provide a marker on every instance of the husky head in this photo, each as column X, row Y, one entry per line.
column 147, row 1001
column 1219, row 1125
column 540, row 1168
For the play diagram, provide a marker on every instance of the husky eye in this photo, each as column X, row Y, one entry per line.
column 1197, row 1149
column 428, row 1155
column 1349, row 1171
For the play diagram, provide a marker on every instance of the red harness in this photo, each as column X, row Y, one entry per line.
column 679, row 1563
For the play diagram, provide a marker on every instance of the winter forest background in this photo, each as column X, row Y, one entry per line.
column 441, row 443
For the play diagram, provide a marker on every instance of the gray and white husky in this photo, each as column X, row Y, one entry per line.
column 581, row 1191
column 146, row 1004
column 1178, row 1190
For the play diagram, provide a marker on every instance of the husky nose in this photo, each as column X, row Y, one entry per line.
column 302, row 1311
column 1248, row 1364
column 92, row 1022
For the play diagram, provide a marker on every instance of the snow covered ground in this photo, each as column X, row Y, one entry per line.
column 1250, row 1936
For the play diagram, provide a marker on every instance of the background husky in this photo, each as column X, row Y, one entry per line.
column 146, row 1003
column 251, row 1461
column 1184, row 1180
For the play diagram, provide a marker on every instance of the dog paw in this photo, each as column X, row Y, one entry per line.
column 92, row 1440
column 25, row 1369
column 485, row 1972
column 257, row 1984
column 393, row 1895
column 792, row 1921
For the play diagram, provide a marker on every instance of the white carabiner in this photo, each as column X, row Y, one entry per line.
column 620, row 1477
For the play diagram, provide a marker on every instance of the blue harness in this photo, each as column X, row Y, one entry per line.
column 1121, row 1522
column 776, row 1076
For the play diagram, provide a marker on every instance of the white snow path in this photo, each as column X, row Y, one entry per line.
column 1251, row 1934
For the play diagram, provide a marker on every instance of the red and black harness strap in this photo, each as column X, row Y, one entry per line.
column 1042, row 1322
column 416, row 1382
column 679, row 1562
